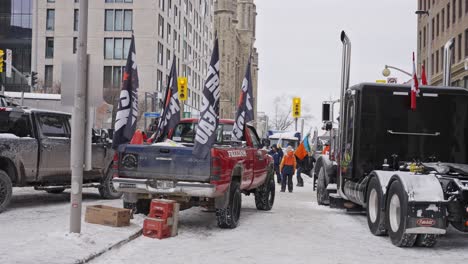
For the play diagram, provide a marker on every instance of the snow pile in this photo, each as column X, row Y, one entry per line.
column 36, row 229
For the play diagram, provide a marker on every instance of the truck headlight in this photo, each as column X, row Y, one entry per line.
column 130, row 161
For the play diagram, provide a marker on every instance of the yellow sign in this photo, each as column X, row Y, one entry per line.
column 296, row 107
column 381, row 81
column 182, row 85
column 2, row 53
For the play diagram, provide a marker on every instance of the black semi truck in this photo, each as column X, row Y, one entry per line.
column 407, row 168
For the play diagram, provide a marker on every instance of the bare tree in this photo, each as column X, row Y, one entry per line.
column 282, row 118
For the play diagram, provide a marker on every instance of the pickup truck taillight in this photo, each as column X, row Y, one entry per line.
column 115, row 165
column 216, row 168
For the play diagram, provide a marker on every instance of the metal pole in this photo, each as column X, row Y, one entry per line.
column 89, row 124
column 78, row 125
column 295, row 123
column 302, row 127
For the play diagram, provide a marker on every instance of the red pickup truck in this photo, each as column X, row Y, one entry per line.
column 173, row 172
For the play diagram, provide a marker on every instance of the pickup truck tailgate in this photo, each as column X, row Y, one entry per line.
column 164, row 163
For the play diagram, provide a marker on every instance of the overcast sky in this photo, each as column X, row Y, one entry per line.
column 300, row 49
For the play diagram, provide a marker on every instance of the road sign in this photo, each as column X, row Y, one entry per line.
column 392, row 80
column 152, row 115
column 8, row 60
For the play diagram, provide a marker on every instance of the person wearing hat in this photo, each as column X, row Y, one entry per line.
column 288, row 168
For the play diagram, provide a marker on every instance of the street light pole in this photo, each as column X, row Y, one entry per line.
column 386, row 71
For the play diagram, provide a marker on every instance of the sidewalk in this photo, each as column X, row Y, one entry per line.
column 35, row 229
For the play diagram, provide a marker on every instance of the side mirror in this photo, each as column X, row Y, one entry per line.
column 326, row 112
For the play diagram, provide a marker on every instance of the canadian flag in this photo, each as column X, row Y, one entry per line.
column 414, row 87
column 423, row 75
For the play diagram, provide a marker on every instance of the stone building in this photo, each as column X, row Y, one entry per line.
column 235, row 22
column 445, row 19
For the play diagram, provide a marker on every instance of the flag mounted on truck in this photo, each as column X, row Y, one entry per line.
column 414, row 87
column 171, row 115
column 245, row 111
column 127, row 111
column 209, row 117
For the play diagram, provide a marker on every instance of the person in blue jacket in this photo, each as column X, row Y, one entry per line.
column 277, row 157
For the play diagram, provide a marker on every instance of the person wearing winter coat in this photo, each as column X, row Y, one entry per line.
column 288, row 168
column 276, row 162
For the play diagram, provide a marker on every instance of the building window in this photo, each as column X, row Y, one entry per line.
column 76, row 16
column 466, row 6
column 161, row 5
column 454, row 11
column 437, row 25
column 424, row 41
column 116, row 48
column 48, row 76
column 432, row 64
column 112, row 76
column 49, row 52
column 443, row 20
column 160, row 80
column 50, row 1
column 169, row 30
column 437, row 62
column 75, row 45
column 459, row 47
column 50, row 24
column 460, row 8
column 161, row 26
column 160, row 54
column 118, row 20
column 448, row 15
column 168, row 58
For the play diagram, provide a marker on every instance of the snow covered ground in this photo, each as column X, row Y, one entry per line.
column 297, row 230
column 35, row 229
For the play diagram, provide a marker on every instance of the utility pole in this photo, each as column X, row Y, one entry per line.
column 78, row 125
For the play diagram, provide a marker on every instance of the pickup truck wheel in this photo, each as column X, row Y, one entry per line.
column 322, row 194
column 265, row 194
column 56, row 190
column 6, row 190
column 229, row 217
column 375, row 215
column 397, row 204
column 107, row 190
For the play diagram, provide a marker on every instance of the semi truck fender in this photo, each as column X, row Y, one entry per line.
column 420, row 187
column 330, row 168
column 222, row 201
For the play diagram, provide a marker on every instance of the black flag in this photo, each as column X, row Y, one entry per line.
column 127, row 112
column 171, row 115
column 245, row 111
column 209, row 117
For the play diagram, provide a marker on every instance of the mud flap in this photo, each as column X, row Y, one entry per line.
column 426, row 218
column 222, row 202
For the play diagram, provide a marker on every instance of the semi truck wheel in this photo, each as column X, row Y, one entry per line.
column 426, row 240
column 397, row 204
column 322, row 194
column 107, row 190
column 6, row 190
column 265, row 194
column 229, row 217
column 375, row 214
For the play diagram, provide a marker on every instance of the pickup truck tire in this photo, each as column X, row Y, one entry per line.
column 322, row 194
column 375, row 214
column 107, row 190
column 56, row 190
column 265, row 194
column 397, row 205
column 6, row 190
column 229, row 217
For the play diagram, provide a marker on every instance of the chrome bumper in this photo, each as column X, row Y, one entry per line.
column 179, row 189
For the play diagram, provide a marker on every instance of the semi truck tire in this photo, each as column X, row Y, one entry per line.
column 265, row 194
column 397, row 204
column 426, row 240
column 322, row 194
column 375, row 214
column 142, row 206
column 229, row 217
column 6, row 190
column 107, row 190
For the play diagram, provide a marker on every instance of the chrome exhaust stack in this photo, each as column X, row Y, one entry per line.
column 345, row 69
column 448, row 51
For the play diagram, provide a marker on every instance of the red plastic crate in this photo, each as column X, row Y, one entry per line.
column 161, row 209
column 156, row 228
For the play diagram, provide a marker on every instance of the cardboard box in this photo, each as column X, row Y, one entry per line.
column 107, row 215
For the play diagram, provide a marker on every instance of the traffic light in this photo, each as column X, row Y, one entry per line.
column 33, row 79
column 182, row 88
column 2, row 61
column 296, row 111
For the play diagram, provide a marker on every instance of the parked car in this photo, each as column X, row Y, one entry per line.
column 35, row 151
column 173, row 172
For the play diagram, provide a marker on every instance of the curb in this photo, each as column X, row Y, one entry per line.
column 111, row 247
